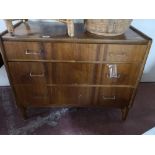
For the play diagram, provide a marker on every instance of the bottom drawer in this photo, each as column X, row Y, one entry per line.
column 30, row 95
column 114, row 96
column 38, row 95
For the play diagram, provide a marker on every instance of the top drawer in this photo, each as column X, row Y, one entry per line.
column 125, row 53
column 74, row 51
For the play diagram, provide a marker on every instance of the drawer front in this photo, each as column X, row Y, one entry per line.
column 125, row 53
column 115, row 96
column 72, row 51
column 72, row 73
column 32, row 95
column 120, row 74
column 27, row 72
column 71, row 95
column 24, row 50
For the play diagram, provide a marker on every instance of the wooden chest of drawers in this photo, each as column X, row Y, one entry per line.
column 47, row 68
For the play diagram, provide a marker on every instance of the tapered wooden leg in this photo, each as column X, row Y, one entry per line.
column 24, row 112
column 125, row 112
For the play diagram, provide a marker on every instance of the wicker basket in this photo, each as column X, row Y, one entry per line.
column 107, row 27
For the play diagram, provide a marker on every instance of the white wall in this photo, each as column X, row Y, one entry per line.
column 2, row 25
column 148, row 27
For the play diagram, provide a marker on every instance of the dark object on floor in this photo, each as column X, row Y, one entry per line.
column 79, row 120
column 1, row 61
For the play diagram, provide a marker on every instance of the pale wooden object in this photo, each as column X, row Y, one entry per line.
column 9, row 24
column 68, row 22
column 70, row 26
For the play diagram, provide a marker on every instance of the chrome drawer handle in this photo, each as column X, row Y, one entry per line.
column 37, row 75
column 116, row 76
column 109, row 98
column 31, row 52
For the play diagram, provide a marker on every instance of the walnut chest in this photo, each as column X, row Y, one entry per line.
column 46, row 68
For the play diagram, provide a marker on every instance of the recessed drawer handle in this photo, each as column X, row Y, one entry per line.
column 31, row 52
column 37, row 75
column 123, row 54
column 109, row 98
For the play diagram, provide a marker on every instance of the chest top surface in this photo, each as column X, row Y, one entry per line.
column 54, row 31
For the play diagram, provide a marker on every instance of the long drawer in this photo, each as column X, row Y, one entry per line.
column 73, row 73
column 74, row 52
column 28, row 95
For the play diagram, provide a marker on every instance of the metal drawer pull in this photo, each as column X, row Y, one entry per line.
column 109, row 98
column 118, row 76
column 37, row 75
column 45, row 36
column 31, row 52
column 120, row 54
column 113, row 71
